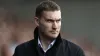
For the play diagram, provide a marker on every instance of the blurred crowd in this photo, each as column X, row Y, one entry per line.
column 14, row 31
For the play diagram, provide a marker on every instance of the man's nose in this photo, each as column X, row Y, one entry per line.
column 54, row 25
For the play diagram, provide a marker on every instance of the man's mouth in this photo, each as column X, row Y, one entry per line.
column 54, row 32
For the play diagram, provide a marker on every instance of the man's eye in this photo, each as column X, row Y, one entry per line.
column 58, row 20
column 49, row 21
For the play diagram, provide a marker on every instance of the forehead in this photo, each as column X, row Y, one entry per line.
column 51, row 14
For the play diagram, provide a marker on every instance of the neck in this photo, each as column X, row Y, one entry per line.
column 45, row 41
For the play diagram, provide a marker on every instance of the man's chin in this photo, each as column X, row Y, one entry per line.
column 54, row 36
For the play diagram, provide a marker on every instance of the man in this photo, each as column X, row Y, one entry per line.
column 47, row 39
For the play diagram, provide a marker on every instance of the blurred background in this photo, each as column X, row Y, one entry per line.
column 80, row 24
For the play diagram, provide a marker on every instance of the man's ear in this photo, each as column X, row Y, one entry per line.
column 36, row 21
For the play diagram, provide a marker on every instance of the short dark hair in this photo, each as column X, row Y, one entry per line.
column 46, row 6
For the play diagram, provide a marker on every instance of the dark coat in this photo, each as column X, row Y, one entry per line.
column 61, row 47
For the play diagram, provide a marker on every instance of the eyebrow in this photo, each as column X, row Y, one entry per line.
column 54, row 19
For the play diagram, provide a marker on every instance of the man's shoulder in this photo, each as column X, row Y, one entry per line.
column 73, row 48
column 26, row 44
column 25, row 48
column 71, row 45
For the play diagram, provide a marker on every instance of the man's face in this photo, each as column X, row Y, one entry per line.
column 50, row 23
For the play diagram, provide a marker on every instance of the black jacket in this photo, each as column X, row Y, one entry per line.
column 61, row 47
